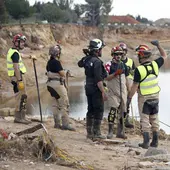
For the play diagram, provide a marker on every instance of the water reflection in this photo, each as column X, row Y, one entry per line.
column 78, row 103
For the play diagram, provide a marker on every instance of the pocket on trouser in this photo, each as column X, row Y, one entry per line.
column 151, row 107
column 53, row 92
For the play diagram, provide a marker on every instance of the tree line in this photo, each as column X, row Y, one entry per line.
column 62, row 11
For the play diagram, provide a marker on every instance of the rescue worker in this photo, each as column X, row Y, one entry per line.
column 95, row 92
column 117, row 91
column 131, row 67
column 16, row 71
column 146, row 83
column 57, row 89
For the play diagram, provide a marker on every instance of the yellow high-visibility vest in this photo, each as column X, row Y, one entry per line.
column 10, row 65
column 129, row 64
column 149, row 78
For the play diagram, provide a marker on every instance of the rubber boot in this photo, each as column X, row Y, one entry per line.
column 120, row 133
column 18, row 118
column 23, row 113
column 145, row 143
column 89, row 127
column 127, row 122
column 154, row 142
column 110, row 131
column 96, row 130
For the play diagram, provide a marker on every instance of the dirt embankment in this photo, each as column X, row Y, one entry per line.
column 73, row 39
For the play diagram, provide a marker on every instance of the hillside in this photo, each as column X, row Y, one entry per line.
column 124, row 155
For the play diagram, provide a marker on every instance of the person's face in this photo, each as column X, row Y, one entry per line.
column 118, row 56
column 100, row 52
column 20, row 44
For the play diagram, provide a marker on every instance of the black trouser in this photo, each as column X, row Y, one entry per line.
column 95, row 103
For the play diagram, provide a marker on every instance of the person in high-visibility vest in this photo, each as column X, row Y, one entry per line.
column 131, row 67
column 16, row 70
column 146, row 83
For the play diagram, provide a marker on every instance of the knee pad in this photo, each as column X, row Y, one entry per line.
column 23, row 102
column 151, row 107
column 112, row 114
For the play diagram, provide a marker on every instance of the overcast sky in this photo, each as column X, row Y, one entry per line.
column 150, row 9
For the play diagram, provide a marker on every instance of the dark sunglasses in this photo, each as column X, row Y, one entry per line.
column 117, row 54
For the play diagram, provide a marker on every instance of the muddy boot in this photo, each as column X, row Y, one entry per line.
column 18, row 118
column 120, row 133
column 23, row 114
column 65, row 123
column 68, row 127
column 96, row 130
column 57, row 122
column 127, row 122
column 154, row 142
column 145, row 143
column 89, row 127
column 110, row 131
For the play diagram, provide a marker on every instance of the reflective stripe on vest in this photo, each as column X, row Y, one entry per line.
column 10, row 65
column 129, row 63
column 149, row 83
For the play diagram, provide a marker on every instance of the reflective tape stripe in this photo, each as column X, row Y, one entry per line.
column 149, row 87
column 150, row 79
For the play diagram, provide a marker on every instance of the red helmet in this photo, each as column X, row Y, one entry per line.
column 117, row 50
column 123, row 46
column 19, row 37
column 143, row 51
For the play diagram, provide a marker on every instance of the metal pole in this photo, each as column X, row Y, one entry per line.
column 38, row 92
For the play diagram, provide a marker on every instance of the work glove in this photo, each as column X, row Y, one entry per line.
column 155, row 43
column 118, row 72
column 33, row 57
column 20, row 85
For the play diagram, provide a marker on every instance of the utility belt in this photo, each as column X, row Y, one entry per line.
column 61, row 80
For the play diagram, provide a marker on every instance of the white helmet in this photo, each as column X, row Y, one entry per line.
column 96, row 44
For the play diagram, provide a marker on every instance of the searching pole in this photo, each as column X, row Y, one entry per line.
column 38, row 92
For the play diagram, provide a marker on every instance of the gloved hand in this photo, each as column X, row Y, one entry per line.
column 20, row 85
column 33, row 57
column 118, row 72
column 155, row 42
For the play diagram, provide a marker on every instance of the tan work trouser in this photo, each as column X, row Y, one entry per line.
column 19, row 94
column 60, row 106
column 148, row 122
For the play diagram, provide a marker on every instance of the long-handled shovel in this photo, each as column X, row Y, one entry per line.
column 38, row 92
column 121, row 105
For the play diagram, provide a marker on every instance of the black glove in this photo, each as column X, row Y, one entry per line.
column 155, row 42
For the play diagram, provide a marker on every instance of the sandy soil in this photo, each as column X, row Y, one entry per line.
column 125, row 155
